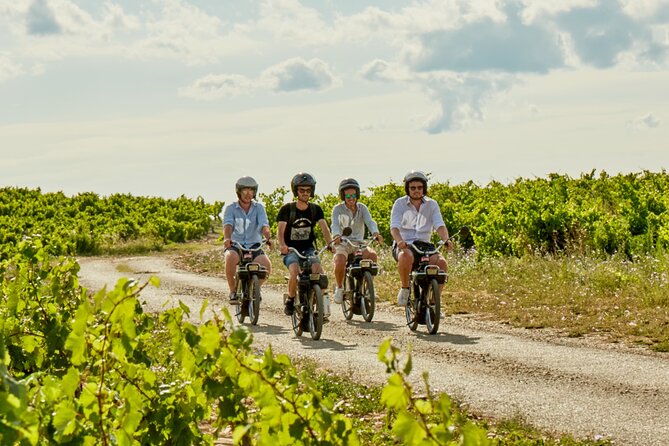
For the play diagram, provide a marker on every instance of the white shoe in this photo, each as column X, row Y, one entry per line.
column 339, row 295
column 403, row 297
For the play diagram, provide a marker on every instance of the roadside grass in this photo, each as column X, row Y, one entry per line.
column 373, row 423
column 619, row 299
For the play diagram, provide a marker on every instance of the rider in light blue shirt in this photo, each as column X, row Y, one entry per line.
column 244, row 222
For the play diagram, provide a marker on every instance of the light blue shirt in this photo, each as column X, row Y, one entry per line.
column 343, row 217
column 416, row 224
column 246, row 227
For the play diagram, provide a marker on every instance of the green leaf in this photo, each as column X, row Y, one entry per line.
column 408, row 429
column 154, row 281
column 76, row 342
column 64, row 420
column 210, row 338
column 70, row 382
column 394, row 395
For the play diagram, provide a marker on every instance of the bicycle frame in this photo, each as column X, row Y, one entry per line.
column 309, row 310
column 249, row 274
column 359, row 295
column 424, row 304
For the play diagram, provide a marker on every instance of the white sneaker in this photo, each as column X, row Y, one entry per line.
column 403, row 297
column 339, row 295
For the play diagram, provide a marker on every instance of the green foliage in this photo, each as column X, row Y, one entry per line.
column 88, row 224
column 103, row 378
column 428, row 420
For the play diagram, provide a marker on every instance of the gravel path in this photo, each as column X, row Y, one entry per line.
column 582, row 386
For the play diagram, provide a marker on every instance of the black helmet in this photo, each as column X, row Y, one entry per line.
column 246, row 182
column 415, row 175
column 348, row 183
column 303, row 179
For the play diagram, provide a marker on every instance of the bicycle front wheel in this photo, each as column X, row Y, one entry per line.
column 412, row 308
column 432, row 306
column 347, row 302
column 242, row 299
column 367, row 297
column 315, row 312
column 254, row 299
column 297, row 316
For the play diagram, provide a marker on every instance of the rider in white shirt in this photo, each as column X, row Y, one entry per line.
column 412, row 220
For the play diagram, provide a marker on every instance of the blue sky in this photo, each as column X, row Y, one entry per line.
column 179, row 97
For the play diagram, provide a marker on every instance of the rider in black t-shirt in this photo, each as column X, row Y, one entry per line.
column 296, row 224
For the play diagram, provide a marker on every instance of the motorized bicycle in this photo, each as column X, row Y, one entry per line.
column 309, row 303
column 424, row 303
column 359, row 296
column 248, row 274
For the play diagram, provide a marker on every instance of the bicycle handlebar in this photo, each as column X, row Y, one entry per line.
column 238, row 245
column 430, row 252
column 299, row 254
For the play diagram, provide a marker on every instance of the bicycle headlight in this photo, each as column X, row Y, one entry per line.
column 253, row 267
column 432, row 271
column 314, row 276
column 365, row 263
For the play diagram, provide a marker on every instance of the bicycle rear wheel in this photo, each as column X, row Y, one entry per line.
column 254, row 299
column 315, row 311
column 367, row 297
column 432, row 306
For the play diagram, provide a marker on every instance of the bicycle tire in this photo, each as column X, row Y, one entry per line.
column 432, row 306
column 315, row 311
column 347, row 302
column 412, row 308
column 296, row 317
column 254, row 299
column 367, row 297
column 241, row 301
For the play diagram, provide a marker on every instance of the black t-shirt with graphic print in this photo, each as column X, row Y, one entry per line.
column 299, row 233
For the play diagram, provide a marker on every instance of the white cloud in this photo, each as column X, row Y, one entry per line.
column 299, row 74
column 8, row 68
column 288, row 76
column 218, row 86
column 647, row 121
column 462, row 99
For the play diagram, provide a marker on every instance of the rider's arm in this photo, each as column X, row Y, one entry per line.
column 228, row 222
column 397, row 237
column 396, row 222
column 280, row 231
column 325, row 230
column 370, row 223
column 264, row 224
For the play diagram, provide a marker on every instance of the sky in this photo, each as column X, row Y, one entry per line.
column 182, row 97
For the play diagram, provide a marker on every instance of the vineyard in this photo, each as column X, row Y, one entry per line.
column 82, row 368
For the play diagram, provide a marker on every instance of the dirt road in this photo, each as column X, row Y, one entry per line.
column 579, row 386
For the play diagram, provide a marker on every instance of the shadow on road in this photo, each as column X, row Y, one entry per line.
column 374, row 325
column 449, row 338
column 323, row 343
column 269, row 329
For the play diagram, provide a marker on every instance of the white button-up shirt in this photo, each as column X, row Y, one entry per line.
column 416, row 224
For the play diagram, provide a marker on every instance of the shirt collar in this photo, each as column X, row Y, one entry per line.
column 407, row 199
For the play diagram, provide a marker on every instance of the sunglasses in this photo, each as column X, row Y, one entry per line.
column 350, row 195
column 303, row 189
column 416, row 187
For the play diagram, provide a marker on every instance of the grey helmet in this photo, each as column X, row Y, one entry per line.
column 246, row 182
column 415, row 175
column 348, row 183
column 303, row 179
